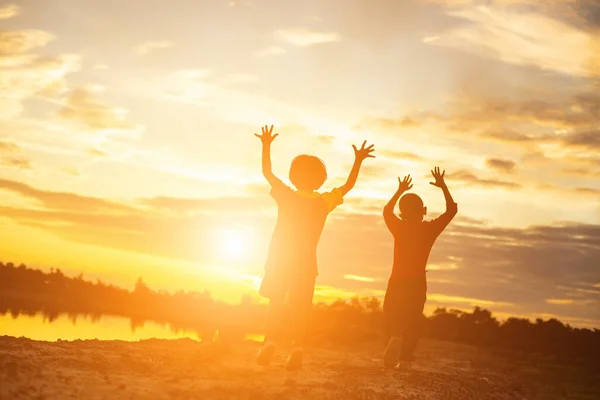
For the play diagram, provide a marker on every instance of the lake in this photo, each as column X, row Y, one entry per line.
column 65, row 327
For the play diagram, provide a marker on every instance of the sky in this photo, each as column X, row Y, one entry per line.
column 127, row 146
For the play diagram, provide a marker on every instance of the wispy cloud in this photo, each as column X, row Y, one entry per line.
column 359, row 278
column 470, row 178
column 306, row 37
column 148, row 47
column 11, row 156
column 269, row 51
column 9, row 11
column 500, row 164
column 22, row 41
column 24, row 75
column 520, row 38
column 82, row 107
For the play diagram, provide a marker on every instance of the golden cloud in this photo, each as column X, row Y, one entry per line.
column 9, row 11
column 82, row 107
column 306, row 37
column 11, row 156
column 148, row 47
column 22, row 41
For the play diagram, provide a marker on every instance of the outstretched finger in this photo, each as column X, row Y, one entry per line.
column 443, row 173
column 275, row 135
column 432, row 183
column 363, row 145
column 258, row 136
column 370, row 147
column 409, row 186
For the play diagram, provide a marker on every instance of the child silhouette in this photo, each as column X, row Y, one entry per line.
column 407, row 287
column 291, row 266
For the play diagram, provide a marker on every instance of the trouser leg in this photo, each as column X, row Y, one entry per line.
column 301, row 297
column 412, row 319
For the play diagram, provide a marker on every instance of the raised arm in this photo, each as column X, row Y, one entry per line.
column 359, row 156
column 388, row 211
column 451, row 206
column 267, row 138
column 440, row 223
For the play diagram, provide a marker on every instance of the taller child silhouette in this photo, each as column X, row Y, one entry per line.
column 291, row 266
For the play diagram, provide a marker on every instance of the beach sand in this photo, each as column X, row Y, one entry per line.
column 186, row 369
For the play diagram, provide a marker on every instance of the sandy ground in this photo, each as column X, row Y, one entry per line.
column 185, row 369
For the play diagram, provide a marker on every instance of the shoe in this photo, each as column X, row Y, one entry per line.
column 404, row 366
column 294, row 361
column 265, row 355
column 392, row 353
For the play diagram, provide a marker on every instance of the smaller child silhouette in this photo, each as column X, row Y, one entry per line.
column 407, row 287
column 291, row 266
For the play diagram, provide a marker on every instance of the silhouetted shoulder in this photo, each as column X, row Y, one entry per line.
column 333, row 199
column 280, row 191
column 440, row 223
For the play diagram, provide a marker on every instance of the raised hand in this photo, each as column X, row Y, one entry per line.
column 267, row 136
column 439, row 177
column 405, row 184
column 363, row 152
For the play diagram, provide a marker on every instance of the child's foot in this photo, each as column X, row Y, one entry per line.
column 392, row 353
column 265, row 355
column 294, row 361
column 404, row 366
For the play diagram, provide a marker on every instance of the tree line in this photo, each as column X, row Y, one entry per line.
column 30, row 291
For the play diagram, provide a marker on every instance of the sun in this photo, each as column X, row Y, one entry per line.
column 234, row 243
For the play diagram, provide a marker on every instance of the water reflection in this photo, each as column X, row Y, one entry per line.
column 65, row 326
column 71, row 327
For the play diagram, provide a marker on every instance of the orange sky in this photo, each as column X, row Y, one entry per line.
column 127, row 147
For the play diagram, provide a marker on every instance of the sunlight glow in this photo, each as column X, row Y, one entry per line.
column 234, row 243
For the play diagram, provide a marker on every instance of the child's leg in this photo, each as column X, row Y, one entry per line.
column 414, row 305
column 301, row 297
column 275, row 311
column 392, row 320
column 390, row 313
column 273, row 320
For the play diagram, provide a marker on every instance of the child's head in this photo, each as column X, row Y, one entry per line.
column 308, row 172
column 412, row 208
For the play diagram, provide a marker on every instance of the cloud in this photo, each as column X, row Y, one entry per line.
column 24, row 75
column 560, row 301
column 400, row 155
column 82, row 107
column 306, row 37
column 391, row 123
column 62, row 200
column 359, row 278
column 22, row 41
column 148, row 47
column 519, row 38
column 97, row 152
column 269, row 51
column 500, row 164
column 11, row 156
column 9, row 11
column 470, row 178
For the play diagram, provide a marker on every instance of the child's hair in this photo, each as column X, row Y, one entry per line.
column 411, row 206
column 308, row 172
